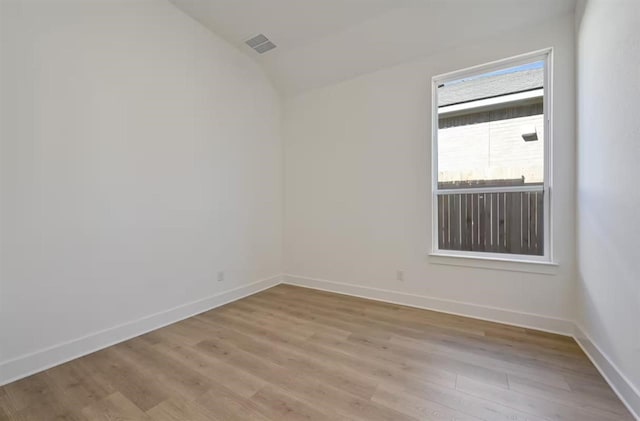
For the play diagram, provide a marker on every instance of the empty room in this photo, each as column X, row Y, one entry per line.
column 290, row 210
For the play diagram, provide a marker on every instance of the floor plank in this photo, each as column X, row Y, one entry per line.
column 291, row 353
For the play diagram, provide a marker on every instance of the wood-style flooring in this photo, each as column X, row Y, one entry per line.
column 291, row 353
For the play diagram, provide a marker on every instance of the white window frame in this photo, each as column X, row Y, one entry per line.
column 545, row 55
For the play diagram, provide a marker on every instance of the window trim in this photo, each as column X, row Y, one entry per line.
column 546, row 55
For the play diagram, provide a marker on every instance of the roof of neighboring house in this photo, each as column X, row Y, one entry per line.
column 491, row 86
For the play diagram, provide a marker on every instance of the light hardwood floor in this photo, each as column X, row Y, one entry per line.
column 292, row 353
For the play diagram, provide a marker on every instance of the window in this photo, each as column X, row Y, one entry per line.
column 491, row 160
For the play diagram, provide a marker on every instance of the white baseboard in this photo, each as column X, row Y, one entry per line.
column 621, row 385
column 34, row 362
column 492, row 314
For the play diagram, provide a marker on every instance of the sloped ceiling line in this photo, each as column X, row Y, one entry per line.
column 321, row 42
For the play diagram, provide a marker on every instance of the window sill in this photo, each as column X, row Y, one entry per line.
column 494, row 263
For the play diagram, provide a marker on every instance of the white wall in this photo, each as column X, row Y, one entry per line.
column 140, row 156
column 357, row 165
column 608, row 193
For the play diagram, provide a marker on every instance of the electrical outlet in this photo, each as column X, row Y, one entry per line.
column 400, row 275
column 220, row 276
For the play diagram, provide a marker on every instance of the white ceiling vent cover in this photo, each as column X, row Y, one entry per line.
column 260, row 43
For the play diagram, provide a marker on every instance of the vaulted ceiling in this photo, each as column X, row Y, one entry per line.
column 320, row 42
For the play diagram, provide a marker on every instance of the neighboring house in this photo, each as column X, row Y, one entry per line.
column 491, row 128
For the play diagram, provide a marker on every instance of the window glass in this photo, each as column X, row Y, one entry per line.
column 491, row 128
column 490, row 190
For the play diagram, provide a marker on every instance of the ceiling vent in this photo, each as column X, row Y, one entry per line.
column 260, row 43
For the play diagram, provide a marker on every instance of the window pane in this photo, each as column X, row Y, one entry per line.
column 491, row 129
column 510, row 222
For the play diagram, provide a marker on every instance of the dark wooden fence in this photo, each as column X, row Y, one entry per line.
column 510, row 222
